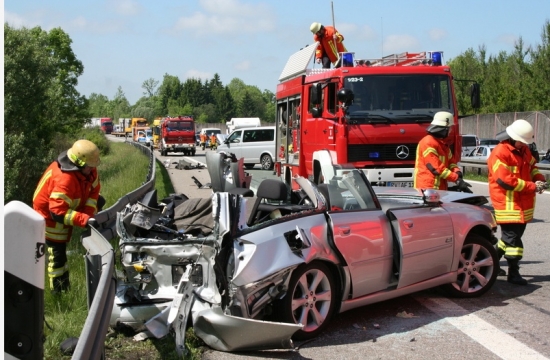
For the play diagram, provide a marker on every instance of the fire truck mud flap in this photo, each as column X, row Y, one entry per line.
column 230, row 333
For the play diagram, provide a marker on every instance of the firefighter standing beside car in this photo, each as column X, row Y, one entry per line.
column 514, row 181
column 203, row 137
column 435, row 164
column 67, row 195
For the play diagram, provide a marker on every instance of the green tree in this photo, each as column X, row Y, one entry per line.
column 98, row 105
column 150, row 87
column 540, row 75
column 41, row 104
column 169, row 93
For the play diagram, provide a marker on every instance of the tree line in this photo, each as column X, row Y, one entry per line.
column 44, row 113
column 208, row 101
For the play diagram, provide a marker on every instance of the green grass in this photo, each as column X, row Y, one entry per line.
column 121, row 171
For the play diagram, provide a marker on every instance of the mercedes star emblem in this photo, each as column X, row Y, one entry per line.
column 402, row 152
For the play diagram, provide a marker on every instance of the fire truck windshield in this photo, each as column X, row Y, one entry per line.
column 399, row 98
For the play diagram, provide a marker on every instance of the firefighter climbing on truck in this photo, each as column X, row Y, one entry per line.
column 370, row 112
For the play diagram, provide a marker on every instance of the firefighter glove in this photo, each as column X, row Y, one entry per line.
column 541, row 186
column 459, row 173
column 463, row 185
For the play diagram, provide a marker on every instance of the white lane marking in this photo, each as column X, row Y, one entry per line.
column 496, row 341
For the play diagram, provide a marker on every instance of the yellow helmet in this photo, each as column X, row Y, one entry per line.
column 84, row 152
column 315, row 27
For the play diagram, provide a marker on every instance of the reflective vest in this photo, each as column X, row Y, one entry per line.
column 512, row 173
column 65, row 199
column 326, row 44
column 434, row 164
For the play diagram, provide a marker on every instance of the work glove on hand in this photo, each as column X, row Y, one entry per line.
column 459, row 173
column 541, row 186
column 463, row 186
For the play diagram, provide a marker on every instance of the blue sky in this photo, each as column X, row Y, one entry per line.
column 125, row 42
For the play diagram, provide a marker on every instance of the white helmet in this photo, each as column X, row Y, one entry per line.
column 315, row 27
column 521, row 130
column 443, row 118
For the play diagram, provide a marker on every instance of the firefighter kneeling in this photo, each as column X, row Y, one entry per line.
column 67, row 195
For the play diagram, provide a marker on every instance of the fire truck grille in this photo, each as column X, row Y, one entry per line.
column 380, row 152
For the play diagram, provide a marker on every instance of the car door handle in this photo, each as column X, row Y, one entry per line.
column 345, row 230
column 408, row 224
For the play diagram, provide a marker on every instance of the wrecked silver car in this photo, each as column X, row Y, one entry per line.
column 279, row 265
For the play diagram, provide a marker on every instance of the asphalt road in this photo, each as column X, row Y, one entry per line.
column 509, row 322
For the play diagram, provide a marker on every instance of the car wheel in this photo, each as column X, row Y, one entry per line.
column 267, row 162
column 249, row 166
column 477, row 270
column 193, row 153
column 310, row 299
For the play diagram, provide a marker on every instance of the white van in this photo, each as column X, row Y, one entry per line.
column 256, row 145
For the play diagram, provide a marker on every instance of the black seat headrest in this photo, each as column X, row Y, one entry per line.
column 272, row 189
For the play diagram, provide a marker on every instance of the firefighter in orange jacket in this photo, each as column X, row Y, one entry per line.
column 435, row 164
column 67, row 195
column 203, row 137
column 213, row 142
column 514, row 181
column 331, row 43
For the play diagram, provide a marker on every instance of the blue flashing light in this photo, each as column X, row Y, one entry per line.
column 347, row 59
column 437, row 58
column 374, row 155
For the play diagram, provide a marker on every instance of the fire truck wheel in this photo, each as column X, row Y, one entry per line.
column 267, row 162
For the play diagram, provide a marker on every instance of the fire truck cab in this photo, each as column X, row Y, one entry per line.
column 369, row 112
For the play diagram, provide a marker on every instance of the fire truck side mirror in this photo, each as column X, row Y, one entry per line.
column 345, row 96
column 316, row 94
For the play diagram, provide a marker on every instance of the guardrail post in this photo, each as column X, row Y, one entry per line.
column 24, row 261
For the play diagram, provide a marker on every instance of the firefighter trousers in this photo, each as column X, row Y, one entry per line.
column 58, row 269
column 510, row 245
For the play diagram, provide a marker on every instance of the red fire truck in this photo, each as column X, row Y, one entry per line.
column 177, row 134
column 370, row 113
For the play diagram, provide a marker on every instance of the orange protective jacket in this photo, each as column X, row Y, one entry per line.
column 512, row 173
column 203, row 138
column 65, row 198
column 434, row 164
column 327, row 46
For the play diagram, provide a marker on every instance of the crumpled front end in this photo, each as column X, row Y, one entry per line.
column 171, row 274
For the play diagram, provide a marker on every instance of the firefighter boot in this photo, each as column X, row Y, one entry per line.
column 61, row 283
column 513, row 273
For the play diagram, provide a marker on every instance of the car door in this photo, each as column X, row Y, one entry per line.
column 425, row 239
column 364, row 239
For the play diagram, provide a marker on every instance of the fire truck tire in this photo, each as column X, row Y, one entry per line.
column 267, row 162
column 193, row 153
column 249, row 166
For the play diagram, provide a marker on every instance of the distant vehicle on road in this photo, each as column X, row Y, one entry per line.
column 480, row 152
column 488, row 142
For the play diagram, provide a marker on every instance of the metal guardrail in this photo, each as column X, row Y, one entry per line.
column 100, row 260
column 482, row 164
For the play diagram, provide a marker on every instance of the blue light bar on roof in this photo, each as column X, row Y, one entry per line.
column 437, row 58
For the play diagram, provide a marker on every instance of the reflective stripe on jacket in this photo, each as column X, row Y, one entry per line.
column 434, row 164
column 326, row 44
column 65, row 199
column 512, row 173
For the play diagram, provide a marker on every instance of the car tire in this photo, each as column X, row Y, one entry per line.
column 311, row 307
column 266, row 161
column 193, row 153
column 477, row 269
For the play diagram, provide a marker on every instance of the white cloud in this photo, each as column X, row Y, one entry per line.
column 197, row 74
column 228, row 17
column 508, row 39
column 126, row 7
column 437, row 34
column 358, row 33
column 400, row 43
column 80, row 23
column 242, row 66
